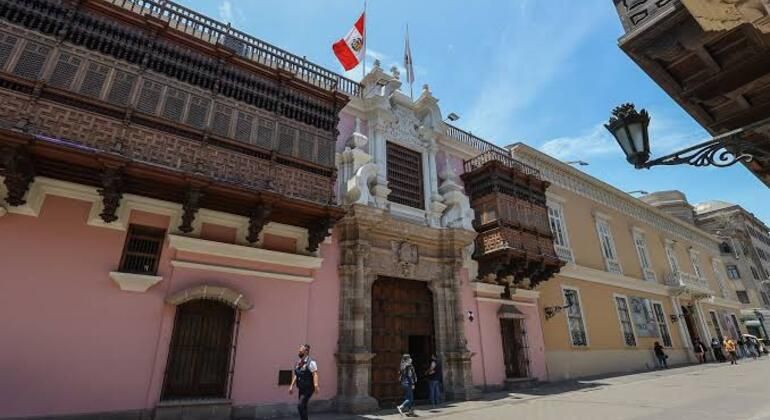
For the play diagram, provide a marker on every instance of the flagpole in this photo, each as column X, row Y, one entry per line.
column 411, row 82
column 366, row 24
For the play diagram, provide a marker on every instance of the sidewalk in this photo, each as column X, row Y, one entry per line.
column 543, row 390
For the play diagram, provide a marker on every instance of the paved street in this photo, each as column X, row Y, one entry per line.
column 706, row 392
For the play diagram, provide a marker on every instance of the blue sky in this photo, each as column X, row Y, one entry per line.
column 543, row 72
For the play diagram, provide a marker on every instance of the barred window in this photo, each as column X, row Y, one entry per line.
column 149, row 97
column 65, row 71
column 120, row 90
column 660, row 316
column 94, row 80
column 405, row 176
column 7, row 44
column 626, row 326
column 743, row 297
column 31, row 61
column 575, row 323
column 141, row 252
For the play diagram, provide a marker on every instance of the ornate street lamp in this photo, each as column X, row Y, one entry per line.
column 631, row 130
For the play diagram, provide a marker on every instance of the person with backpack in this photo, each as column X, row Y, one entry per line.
column 716, row 347
column 305, row 377
column 434, row 375
column 408, row 379
column 700, row 350
column 660, row 355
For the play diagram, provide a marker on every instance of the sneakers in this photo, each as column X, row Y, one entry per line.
column 400, row 410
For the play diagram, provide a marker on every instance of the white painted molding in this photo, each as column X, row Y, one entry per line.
column 582, row 184
column 555, row 197
column 240, row 271
column 505, row 301
column 219, row 249
column 725, row 303
column 601, row 215
column 138, row 283
column 525, row 294
column 487, row 289
column 592, row 275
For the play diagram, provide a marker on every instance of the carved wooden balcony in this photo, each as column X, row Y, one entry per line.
column 154, row 99
column 515, row 239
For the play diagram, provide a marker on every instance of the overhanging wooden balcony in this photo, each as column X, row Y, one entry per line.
column 128, row 100
column 514, row 238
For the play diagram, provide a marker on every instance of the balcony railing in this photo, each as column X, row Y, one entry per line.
column 245, row 45
column 502, row 157
column 471, row 140
column 680, row 279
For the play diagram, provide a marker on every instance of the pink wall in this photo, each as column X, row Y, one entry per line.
column 80, row 344
column 485, row 341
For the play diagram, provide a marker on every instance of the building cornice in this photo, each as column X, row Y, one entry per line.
column 564, row 176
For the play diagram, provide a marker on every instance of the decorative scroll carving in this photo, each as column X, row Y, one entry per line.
column 317, row 233
column 190, row 208
column 19, row 174
column 111, row 192
column 258, row 218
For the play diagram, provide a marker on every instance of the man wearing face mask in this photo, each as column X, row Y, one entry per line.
column 305, row 377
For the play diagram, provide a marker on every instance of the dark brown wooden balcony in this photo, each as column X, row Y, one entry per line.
column 153, row 99
column 511, row 218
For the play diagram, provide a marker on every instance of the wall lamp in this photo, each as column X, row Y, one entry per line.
column 551, row 311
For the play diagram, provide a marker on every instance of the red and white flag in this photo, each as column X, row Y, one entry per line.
column 350, row 50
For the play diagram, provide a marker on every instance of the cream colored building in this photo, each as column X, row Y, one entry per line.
column 634, row 275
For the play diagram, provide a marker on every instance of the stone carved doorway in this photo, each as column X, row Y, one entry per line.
column 402, row 322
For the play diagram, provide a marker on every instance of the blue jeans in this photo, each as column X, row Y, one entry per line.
column 435, row 392
column 662, row 363
column 408, row 403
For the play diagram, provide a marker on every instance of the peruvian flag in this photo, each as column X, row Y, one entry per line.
column 350, row 50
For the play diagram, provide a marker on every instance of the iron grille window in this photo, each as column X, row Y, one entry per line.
column 660, row 317
column 405, row 176
column 141, row 252
column 743, row 297
column 625, row 321
column 577, row 329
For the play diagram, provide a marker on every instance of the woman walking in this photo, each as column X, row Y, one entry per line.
column 660, row 355
column 700, row 350
column 408, row 379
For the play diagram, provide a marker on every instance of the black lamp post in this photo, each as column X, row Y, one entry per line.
column 631, row 130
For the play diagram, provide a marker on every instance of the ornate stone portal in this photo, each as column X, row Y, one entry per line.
column 375, row 244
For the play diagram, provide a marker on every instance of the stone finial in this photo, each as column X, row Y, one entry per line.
column 426, row 88
column 376, row 64
column 394, row 71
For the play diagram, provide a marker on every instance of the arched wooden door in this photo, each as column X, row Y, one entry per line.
column 201, row 347
column 402, row 322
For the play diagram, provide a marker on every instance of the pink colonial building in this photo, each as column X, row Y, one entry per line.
column 182, row 205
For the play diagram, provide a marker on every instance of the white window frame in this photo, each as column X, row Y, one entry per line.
column 564, row 251
column 664, row 324
column 696, row 268
column 640, row 243
column 582, row 317
column 615, row 298
column 612, row 262
column 714, row 316
column 673, row 263
column 715, row 263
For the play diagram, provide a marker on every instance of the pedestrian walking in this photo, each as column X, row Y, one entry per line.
column 730, row 350
column 305, row 377
column 435, row 375
column 408, row 379
column 741, row 348
column 660, row 355
column 700, row 350
column 716, row 347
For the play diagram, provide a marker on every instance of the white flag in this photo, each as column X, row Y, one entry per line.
column 408, row 58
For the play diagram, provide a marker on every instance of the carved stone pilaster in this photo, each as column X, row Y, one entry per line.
column 19, row 174
column 190, row 208
column 258, row 218
column 317, row 233
column 111, row 192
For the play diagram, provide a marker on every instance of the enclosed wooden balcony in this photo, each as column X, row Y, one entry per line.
column 514, row 239
column 150, row 98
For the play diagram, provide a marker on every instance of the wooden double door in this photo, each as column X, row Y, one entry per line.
column 200, row 353
column 515, row 348
column 402, row 322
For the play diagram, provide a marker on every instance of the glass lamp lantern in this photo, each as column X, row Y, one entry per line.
column 630, row 129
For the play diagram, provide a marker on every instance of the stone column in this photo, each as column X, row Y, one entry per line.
column 451, row 344
column 354, row 357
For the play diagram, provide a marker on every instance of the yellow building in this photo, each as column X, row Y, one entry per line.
column 634, row 275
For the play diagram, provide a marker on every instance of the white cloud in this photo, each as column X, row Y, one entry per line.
column 666, row 136
column 226, row 11
column 595, row 142
column 532, row 50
